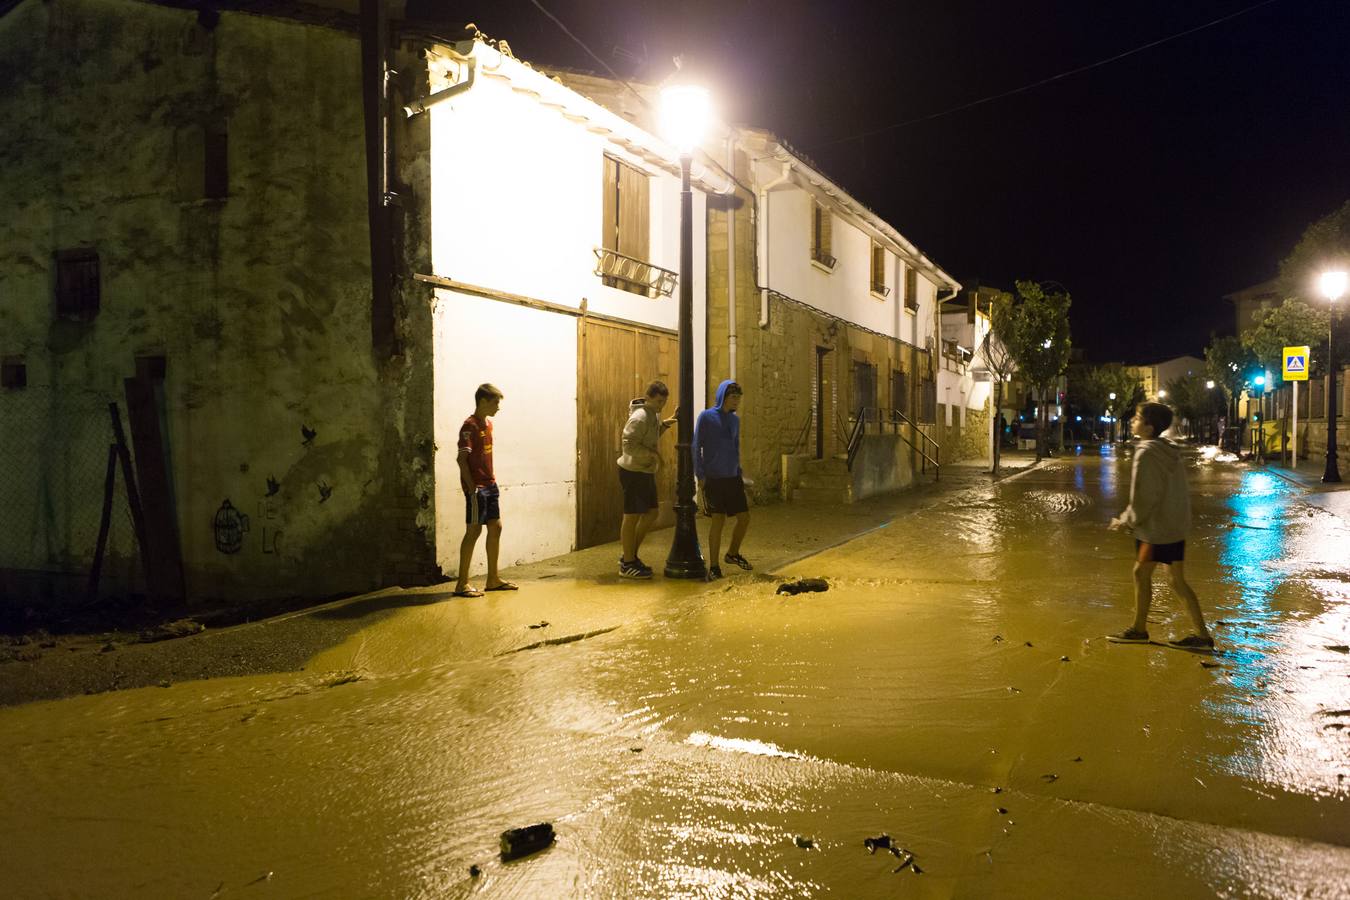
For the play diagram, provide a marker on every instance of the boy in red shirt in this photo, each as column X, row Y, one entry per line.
column 481, row 506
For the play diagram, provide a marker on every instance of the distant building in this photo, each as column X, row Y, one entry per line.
column 1250, row 304
column 1156, row 376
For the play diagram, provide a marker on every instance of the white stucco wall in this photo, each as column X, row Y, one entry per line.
column 846, row 290
column 532, row 356
column 518, row 208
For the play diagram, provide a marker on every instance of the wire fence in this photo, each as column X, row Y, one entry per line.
column 53, row 466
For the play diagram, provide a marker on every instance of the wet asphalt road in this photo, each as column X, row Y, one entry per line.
column 951, row 690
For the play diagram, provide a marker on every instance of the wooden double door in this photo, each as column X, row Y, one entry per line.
column 615, row 364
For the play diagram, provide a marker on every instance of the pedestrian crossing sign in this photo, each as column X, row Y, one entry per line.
column 1296, row 363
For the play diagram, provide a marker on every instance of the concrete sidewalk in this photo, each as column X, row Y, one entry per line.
column 1308, row 473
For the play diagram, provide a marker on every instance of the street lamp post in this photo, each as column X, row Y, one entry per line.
column 1111, row 410
column 684, row 109
column 1333, row 286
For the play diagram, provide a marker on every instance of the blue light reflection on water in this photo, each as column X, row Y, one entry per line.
column 1251, row 552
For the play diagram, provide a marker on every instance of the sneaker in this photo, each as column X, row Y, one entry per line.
column 714, row 573
column 1193, row 642
column 737, row 560
column 1129, row 636
column 634, row 569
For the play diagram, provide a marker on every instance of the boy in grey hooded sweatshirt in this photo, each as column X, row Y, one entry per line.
column 637, row 475
column 1159, row 514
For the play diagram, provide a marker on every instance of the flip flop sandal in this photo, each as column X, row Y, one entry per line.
column 504, row 586
column 468, row 592
column 738, row 560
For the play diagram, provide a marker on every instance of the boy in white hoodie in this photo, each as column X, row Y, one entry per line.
column 1159, row 514
column 637, row 475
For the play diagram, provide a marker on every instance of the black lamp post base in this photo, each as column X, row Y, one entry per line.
column 686, row 558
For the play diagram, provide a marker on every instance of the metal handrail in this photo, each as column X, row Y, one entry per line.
column 855, row 436
column 898, row 417
column 803, row 433
column 654, row 280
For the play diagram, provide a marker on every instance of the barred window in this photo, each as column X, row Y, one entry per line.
column 77, row 284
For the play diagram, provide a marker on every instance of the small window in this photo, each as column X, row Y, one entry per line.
column 911, row 287
column 821, row 237
column 152, row 368
column 879, row 285
column 77, row 284
column 13, row 373
column 900, row 392
column 865, row 390
column 216, row 163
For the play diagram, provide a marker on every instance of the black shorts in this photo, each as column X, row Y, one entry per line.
column 1160, row 553
column 639, row 492
column 725, row 496
column 482, row 506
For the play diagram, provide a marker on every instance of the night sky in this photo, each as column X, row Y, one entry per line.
column 1149, row 186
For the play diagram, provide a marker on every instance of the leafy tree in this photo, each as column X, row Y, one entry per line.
column 1293, row 324
column 1325, row 244
column 1089, row 391
column 999, row 360
column 1128, row 388
column 1035, row 329
column 1228, row 362
column 1193, row 401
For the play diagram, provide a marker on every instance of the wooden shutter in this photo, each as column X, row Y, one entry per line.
column 878, row 266
column 609, row 227
column 634, row 228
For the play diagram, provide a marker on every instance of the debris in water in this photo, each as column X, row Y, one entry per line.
column 1029, row 644
column 914, row 867
column 266, row 876
column 1063, row 659
column 1208, row 665
column 164, row 683
column 1339, row 648
column 1002, row 811
column 520, row 842
column 998, row 638
column 1077, row 759
column 107, row 648
column 1014, row 690
column 474, row 871
column 540, row 625
column 805, row 843
column 1049, row 778
column 905, row 862
column 169, row 630
column 997, row 790
column 882, row 840
column 803, row 586
column 635, row 749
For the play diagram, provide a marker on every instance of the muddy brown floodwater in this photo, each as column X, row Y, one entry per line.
column 951, row 690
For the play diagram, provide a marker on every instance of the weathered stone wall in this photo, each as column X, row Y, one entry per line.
column 258, row 301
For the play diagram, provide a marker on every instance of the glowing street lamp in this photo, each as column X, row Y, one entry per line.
column 1209, row 385
column 686, row 110
column 1332, row 285
column 1161, row 393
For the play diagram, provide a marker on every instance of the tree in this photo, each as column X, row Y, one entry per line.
column 1325, row 244
column 1228, row 363
column 1193, row 401
column 1294, row 324
column 999, row 360
column 1035, row 329
column 1089, row 392
column 1127, row 387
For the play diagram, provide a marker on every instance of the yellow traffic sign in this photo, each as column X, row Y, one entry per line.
column 1296, row 363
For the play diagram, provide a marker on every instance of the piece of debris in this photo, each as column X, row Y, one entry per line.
column 539, row 625
column 107, row 648
column 1339, row 648
column 997, row 790
column 881, row 840
column 1030, row 644
column 914, row 867
column 1208, row 665
column 165, row 683
column 805, row 843
column 634, row 749
column 1076, row 759
column 266, row 876
column 1049, row 778
column 520, row 842
column 905, row 862
column 1063, row 659
column 1014, row 690
column 474, row 871
column 998, row 638
column 1002, row 811
column 47, row 644
column 169, row 630
column 803, row 586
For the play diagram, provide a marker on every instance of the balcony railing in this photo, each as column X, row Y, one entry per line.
column 823, row 258
column 882, row 289
column 633, row 274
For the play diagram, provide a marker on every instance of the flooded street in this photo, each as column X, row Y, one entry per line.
column 951, row 690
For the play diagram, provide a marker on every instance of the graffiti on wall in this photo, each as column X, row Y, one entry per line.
column 230, row 526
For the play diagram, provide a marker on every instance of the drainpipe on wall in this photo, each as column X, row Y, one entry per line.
column 375, row 101
column 762, row 239
column 731, row 262
column 471, row 70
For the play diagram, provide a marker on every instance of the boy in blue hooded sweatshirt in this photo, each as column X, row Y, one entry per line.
column 716, row 449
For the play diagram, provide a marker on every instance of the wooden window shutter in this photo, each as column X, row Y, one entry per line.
column 634, row 205
column 826, row 230
column 609, row 227
column 878, row 266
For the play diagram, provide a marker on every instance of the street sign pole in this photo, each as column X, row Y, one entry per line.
column 1294, row 442
column 1295, row 369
